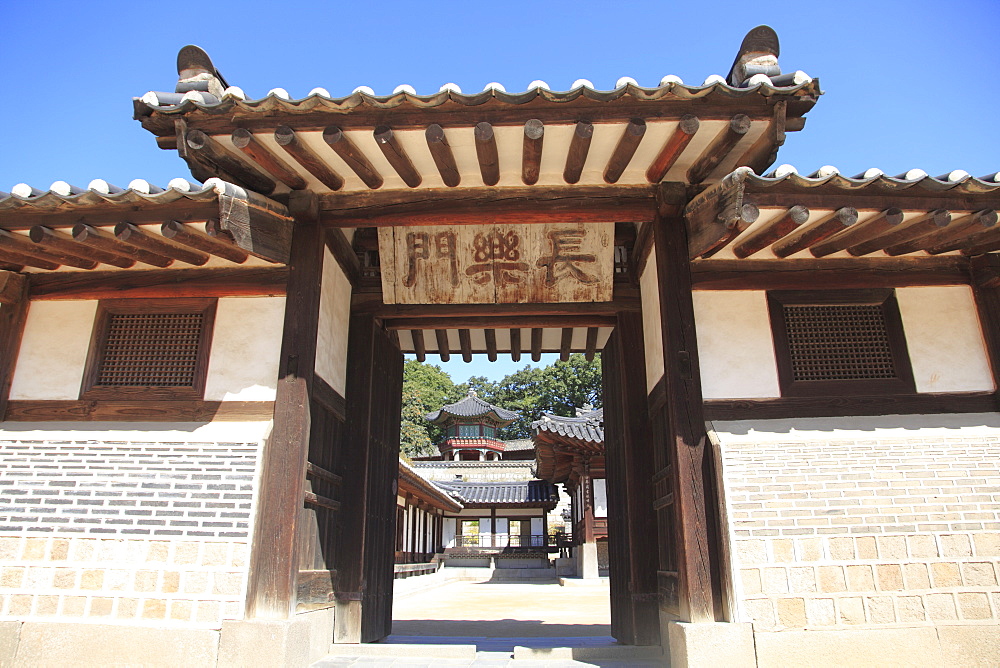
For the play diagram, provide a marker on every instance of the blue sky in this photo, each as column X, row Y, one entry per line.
column 908, row 84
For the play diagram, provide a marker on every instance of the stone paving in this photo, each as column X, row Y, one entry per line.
column 496, row 618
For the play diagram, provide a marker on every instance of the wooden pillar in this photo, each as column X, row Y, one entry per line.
column 13, row 315
column 685, row 425
column 986, row 290
column 273, row 559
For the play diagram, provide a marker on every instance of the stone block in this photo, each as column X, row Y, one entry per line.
column 911, row 609
column 941, row 607
column 9, row 633
column 792, row 612
column 809, row 549
column 987, row 544
column 970, row 646
column 10, row 548
column 866, row 547
column 801, row 579
column 946, row 574
column 922, row 545
column 849, row 647
column 831, row 578
column 956, row 545
column 841, row 549
column 711, row 644
column 974, row 605
column 34, row 549
column 979, row 574
column 59, row 550
column 300, row 641
column 750, row 577
column 860, row 578
column 915, row 576
column 11, row 577
column 753, row 551
column 852, row 610
column 761, row 611
column 774, row 580
column 891, row 547
column 890, row 577
column 880, row 610
column 820, row 612
column 783, row 550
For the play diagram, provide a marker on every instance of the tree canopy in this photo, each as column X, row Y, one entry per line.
column 559, row 388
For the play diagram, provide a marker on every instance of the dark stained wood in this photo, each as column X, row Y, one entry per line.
column 491, row 344
column 814, row 232
column 13, row 315
column 591, row 350
column 486, row 153
column 925, row 224
column 833, row 273
column 329, row 398
column 802, row 407
column 881, row 223
column 531, row 151
column 767, row 234
column 566, row 343
column 140, row 238
column 536, row 344
column 579, row 147
column 984, row 242
column 220, row 282
column 717, row 214
column 738, row 126
column 13, row 261
column 478, row 206
column 344, row 254
column 986, row 291
column 444, row 159
column 763, row 151
column 17, row 246
column 255, row 226
column 465, row 343
column 324, row 502
column 397, row 157
column 96, row 238
column 314, row 471
column 244, row 140
column 682, row 135
column 493, row 322
column 195, row 238
column 209, row 152
column 63, row 242
column 641, row 251
column 422, row 311
column 419, row 349
column 305, row 156
column 626, row 147
column 139, row 411
column 353, row 156
column 959, row 229
column 515, row 345
column 442, row 343
column 271, row 589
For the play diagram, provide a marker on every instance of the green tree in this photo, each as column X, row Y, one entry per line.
column 426, row 388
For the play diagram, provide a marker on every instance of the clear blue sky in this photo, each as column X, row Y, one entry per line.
column 908, row 84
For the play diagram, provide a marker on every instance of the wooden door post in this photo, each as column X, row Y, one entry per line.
column 273, row 559
column 13, row 315
column 986, row 290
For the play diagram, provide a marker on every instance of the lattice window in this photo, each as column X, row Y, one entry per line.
column 158, row 348
column 848, row 342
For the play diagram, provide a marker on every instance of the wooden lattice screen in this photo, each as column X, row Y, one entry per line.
column 151, row 350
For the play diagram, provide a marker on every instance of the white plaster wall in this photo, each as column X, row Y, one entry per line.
column 53, row 350
column 735, row 348
column 651, row 322
column 944, row 339
column 334, row 320
column 246, row 344
column 448, row 532
column 600, row 497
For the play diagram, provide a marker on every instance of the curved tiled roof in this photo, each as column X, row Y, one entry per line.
column 526, row 492
column 63, row 195
column 957, row 181
column 586, row 427
column 472, row 406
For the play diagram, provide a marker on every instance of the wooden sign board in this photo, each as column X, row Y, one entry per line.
column 497, row 264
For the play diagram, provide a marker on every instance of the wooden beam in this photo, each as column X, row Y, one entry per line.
column 344, row 254
column 985, row 271
column 918, row 227
column 305, row 156
column 682, row 135
column 396, row 155
column 515, row 345
column 244, row 140
column 462, row 311
column 806, row 235
column 803, row 407
column 479, row 206
column 717, row 214
column 209, row 151
column 13, row 315
column 579, row 147
column 101, row 240
column 491, row 344
column 986, row 242
column 882, row 222
column 465, row 343
column 442, row 342
column 959, row 228
column 566, row 343
column 495, row 321
column 763, row 152
column 531, row 151
column 444, row 159
column 624, row 150
column 138, row 411
column 214, row 282
column 353, row 156
column 18, row 247
column 765, row 235
column 976, row 238
column 63, row 242
column 591, row 344
column 198, row 240
column 737, row 128
column 536, row 344
column 135, row 236
column 486, row 153
column 419, row 349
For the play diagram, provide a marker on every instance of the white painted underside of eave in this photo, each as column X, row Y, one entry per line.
column 551, row 340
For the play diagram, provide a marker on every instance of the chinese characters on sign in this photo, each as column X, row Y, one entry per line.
column 476, row 264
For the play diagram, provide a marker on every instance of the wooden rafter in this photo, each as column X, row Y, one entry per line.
column 244, row 140
column 515, row 345
column 99, row 239
column 723, row 145
column 58, row 240
column 396, row 155
column 591, row 343
column 135, row 236
column 959, row 228
column 918, row 227
column 342, row 145
column 16, row 247
column 682, row 135
column 444, row 159
column 806, row 235
column 198, row 240
column 566, row 343
column 442, row 344
column 536, row 344
column 207, row 150
column 579, row 147
column 486, row 153
column 305, row 156
column 882, row 222
column 531, row 151
column 491, row 344
column 765, row 235
column 419, row 348
column 626, row 147
column 465, row 343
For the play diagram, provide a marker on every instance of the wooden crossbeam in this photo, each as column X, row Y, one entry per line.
column 101, row 240
column 918, row 227
column 486, row 153
column 960, row 228
column 11, row 287
column 579, row 147
column 305, row 156
column 244, row 140
column 465, row 343
column 491, row 344
column 419, row 348
column 194, row 238
column 626, row 147
column 767, row 234
column 208, row 150
column 539, row 321
column 566, row 343
column 13, row 315
column 807, row 235
column 531, row 151
column 135, row 236
column 464, row 311
column 682, row 135
column 882, row 222
column 396, row 155
column 442, row 340
column 342, row 145
column 344, row 254
column 737, row 128
column 515, row 345
column 444, row 159
column 591, row 349
column 58, row 240
column 536, row 344
column 22, row 246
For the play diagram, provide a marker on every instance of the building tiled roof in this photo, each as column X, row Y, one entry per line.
column 585, row 427
column 518, row 445
column 67, row 197
column 472, row 406
column 528, row 492
column 874, row 180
